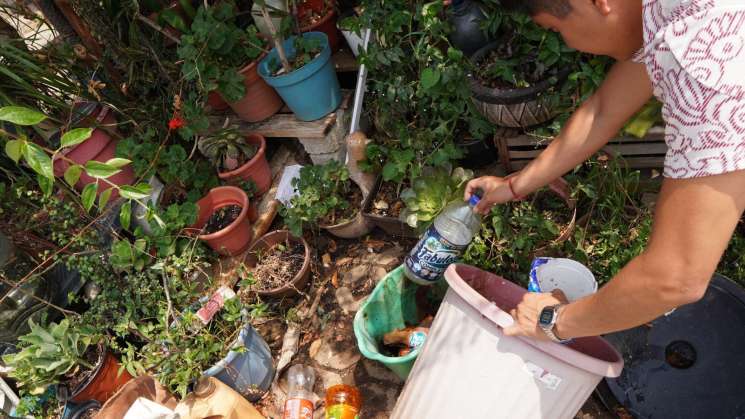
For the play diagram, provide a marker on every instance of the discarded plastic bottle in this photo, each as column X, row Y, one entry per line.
column 343, row 402
column 467, row 17
column 299, row 404
column 444, row 242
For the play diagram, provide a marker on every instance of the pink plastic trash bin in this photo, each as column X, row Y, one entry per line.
column 468, row 369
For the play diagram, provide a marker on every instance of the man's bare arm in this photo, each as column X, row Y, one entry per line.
column 625, row 90
column 693, row 223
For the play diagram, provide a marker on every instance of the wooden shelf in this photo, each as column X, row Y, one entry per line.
column 284, row 124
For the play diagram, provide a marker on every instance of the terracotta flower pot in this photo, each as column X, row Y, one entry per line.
column 103, row 382
column 256, row 170
column 216, row 102
column 235, row 238
column 267, row 242
column 260, row 101
column 327, row 24
column 99, row 147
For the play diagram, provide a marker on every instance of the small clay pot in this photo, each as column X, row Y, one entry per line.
column 216, row 102
column 256, row 170
column 268, row 241
column 235, row 238
column 103, row 382
column 326, row 25
column 260, row 101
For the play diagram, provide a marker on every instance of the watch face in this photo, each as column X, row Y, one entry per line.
column 547, row 315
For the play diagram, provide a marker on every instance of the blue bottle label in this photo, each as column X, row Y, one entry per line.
column 432, row 255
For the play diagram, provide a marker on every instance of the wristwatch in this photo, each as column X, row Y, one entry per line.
column 547, row 322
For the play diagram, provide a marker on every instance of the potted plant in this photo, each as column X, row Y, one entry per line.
column 301, row 70
column 227, row 347
column 326, row 197
column 74, row 358
column 87, row 410
column 221, row 57
column 319, row 16
column 516, row 80
column 224, row 220
column 278, row 264
column 238, row 158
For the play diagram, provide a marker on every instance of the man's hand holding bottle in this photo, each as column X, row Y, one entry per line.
column 496, row 190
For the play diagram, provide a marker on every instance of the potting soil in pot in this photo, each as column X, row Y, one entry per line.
column 278, row 265
column 222, row 218
column 353, row 197
column 689, row 363
column 386, row 202
column 77, row 376
column 306, row 52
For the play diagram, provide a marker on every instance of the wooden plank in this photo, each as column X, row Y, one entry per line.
column 528, row 140
column 637, row 149
column 524, row 154
column 345, row 61
column 504, row 152
column 654, row 162
column 283, row 126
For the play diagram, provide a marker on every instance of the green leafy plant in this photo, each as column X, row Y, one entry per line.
column 182, row 350
column 430, row 193
column 227, row 149
column 321, row 191
column 215, row 49
column 40, row 159
column 305, row 51
column 49, row 355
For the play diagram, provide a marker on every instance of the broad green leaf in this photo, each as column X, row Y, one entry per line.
column 21, row 116
column 45, row 184
column 75, row 137
column 38, row 160
column 118, row 162
column 429, row 78
column 88, row 196
column 134, row 192
column 103, row 199
column 100, row 170
column 125, row 213
column 72, row 174
column 14, row 149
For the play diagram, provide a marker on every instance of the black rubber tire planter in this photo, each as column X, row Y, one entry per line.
column 517, row 107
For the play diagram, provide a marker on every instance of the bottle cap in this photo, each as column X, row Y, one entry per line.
column 476, row 197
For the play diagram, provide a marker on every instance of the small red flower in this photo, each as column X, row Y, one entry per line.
column 176, row 122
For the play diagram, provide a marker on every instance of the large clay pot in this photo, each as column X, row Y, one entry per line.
column 236, row 237
column 268, row 241
column 256, row 170
column 327, row 24
column 260, row 101
column 103, row 382
column 99, row 147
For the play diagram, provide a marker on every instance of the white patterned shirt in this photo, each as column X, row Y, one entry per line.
column 694, row 51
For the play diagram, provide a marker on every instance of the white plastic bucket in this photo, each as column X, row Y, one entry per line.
column 572, row 277
column 468, row 369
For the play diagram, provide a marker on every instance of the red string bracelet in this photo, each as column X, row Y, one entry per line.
column 515, row 196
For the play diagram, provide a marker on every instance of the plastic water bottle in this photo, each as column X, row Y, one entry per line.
column 299, row 403
column 444, row 242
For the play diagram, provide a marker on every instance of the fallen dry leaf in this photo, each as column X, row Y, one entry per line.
column 335, row 279
column 332, row 246
column 374, row 244
column 326, row 259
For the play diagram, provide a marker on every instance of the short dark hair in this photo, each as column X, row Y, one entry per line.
column 558, row 8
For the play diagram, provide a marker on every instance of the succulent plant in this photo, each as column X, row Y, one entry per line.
column 227, row 149
column 431, row 192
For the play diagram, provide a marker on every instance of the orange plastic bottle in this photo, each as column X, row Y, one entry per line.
column 343, row 402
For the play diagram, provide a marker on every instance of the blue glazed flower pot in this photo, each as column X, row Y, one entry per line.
column 249, row 372
column 312, row 91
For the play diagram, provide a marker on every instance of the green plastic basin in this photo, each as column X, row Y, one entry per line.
column 392, row 305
